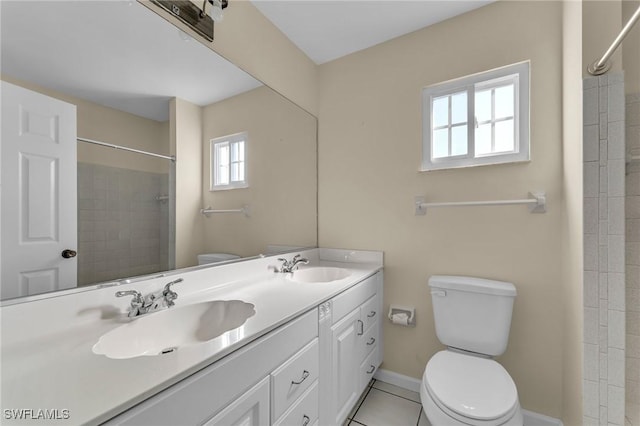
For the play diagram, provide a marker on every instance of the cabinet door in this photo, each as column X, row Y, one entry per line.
column 345, row 362
column 251, row 409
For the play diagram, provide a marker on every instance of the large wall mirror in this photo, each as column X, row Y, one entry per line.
column 102, row 75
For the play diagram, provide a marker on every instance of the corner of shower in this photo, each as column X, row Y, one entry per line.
column 126, row 213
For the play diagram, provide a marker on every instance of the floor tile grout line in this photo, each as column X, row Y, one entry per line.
column 371, row 386
column 361, row 402
column 360, row 405
column 419, row 415
column 399, row 396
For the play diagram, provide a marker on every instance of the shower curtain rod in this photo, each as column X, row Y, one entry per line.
column 603, row 65
column 124, row 148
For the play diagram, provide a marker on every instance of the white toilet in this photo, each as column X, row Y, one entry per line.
column 205, row 258
column 463, row 385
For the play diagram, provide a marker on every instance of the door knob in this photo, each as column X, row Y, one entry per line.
column 67, row 254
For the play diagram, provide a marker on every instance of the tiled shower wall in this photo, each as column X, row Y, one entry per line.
column 604, row 251
column 632, row 124
column 123, row 230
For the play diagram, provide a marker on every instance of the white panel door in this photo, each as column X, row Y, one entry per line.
column 38, row 193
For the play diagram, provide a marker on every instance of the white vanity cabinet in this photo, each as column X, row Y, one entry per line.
column 351, row 350
column 308, row 372
column 303, row 358
column 240, row 388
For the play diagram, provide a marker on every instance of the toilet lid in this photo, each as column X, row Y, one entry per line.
column 473, row 387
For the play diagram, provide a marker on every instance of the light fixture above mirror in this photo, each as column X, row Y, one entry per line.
column 196, row 18
column 215, row 11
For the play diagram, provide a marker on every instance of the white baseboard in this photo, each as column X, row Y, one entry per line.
column 397, row 379
column 535, row 419
column 412, row 384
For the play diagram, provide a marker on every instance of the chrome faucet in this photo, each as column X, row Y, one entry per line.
column 151, row 302
column 297, row 259
column 136, row 303
column 290, row 265
column 170, row 295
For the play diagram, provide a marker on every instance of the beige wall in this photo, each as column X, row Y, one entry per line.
column 253, row 43
column 249, row 40
column 281, row 172
column 369, row 156
column 186, row 145
column 110, row 125
column 572, row 222
column 120, row 128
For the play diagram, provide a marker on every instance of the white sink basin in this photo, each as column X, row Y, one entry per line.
column 166, row 331
column 319, row 275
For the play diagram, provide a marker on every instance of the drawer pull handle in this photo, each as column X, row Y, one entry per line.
column 371, row 370
column 361, row 332
column 372, row 341
column 372, row 314
column 305, row 420
column 305, row 374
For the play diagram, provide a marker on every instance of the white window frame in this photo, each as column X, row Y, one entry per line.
column 519, row 74
column 215, row 162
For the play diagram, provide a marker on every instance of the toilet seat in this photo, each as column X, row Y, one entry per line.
column 471, row 389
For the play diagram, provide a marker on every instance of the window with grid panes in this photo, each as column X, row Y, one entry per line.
column 477, row 120
column 228, row 162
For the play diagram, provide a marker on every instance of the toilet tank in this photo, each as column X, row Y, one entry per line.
column 205, row 258
column 473, row 314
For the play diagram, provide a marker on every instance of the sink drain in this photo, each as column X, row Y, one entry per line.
column 168, row 350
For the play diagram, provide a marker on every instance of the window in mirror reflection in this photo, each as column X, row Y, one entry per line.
column 228, row 162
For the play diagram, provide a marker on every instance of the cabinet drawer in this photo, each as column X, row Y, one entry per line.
column 355, row 296
column 369, row 312
column 293, row 377
column 368, row 369
column 368, row 341
column 304, row 412
column 251, row 409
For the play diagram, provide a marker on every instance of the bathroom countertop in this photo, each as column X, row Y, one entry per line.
column 59, row 371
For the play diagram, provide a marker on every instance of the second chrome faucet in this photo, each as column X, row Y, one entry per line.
column 290, row 265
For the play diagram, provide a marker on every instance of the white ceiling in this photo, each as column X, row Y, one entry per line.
column 326, row 29
column 115, row 53
column 120, row 54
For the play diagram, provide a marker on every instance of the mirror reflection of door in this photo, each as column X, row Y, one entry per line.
column 38, row 193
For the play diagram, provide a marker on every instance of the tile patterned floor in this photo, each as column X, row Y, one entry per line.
column 383, row 404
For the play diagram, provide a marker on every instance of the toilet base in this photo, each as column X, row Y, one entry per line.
column 437, row 417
